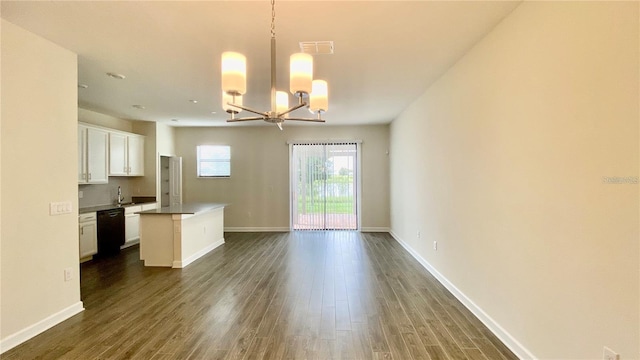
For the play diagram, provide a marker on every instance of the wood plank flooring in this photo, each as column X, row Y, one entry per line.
column 299, row 295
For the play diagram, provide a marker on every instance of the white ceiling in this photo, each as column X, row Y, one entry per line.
column 386, row 52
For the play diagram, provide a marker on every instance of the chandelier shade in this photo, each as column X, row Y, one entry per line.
column 234, row 73
column 319, row 99
column 282, row 103
column 300, row 73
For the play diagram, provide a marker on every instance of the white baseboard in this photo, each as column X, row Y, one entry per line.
column 41, row 326
column 256, row 229
column 286, row 229
column 509, row 341
column 181, row 264
column 375, row 229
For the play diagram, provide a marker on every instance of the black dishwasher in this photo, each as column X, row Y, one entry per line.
column 110, row 231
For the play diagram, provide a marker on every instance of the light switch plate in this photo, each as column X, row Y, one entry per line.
column 59, row 208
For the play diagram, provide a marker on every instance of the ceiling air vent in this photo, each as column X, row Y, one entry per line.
column 316, row 47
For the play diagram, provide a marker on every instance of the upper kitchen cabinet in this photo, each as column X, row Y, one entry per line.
column 126, row 154
column 92, row 155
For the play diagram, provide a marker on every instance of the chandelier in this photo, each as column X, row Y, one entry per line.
column 310, row 93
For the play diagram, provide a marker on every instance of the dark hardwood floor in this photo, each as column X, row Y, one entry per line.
column 299, row 295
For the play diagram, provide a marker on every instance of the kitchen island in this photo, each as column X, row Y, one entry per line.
column 175, row 236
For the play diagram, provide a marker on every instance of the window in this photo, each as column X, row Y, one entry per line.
column 214, row 161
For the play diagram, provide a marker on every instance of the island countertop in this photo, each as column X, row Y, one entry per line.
column 185, row 209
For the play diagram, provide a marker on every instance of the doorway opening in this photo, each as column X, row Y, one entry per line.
column 324, row 186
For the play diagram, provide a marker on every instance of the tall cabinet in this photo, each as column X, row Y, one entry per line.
column 93, row 147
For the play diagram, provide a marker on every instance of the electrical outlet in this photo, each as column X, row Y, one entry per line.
column 608, row 354
column 68, row 274
column 80, row 194
column 418, row 234
column 435, row 245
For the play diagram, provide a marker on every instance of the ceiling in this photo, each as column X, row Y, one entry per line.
column 386, row 52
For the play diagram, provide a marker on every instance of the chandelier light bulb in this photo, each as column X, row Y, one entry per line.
column 234, row 73
column 301, row 73
column 319, row 98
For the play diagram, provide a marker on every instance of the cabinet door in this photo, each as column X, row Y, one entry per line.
column 132, row 227
column 82, row 154
column 117, row 154
column 88, row 239
column 97, row 156
column 136, row 155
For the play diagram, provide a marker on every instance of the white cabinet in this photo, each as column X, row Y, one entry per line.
column 135, row 147
column 117, row 154
column 126, row 154
column 132, row 223
column 88, row 236
column 92, row 155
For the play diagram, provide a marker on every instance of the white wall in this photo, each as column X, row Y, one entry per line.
column 166, row 142
column 258, row 189
column 108, row 121
column 39, row 160
column 502, row 162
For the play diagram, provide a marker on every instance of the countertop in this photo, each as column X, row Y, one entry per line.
column 89, row 209
column 186, row 209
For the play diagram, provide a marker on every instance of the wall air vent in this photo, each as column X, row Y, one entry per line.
column 316, row 47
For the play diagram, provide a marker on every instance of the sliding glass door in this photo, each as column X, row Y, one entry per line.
column 324, row 186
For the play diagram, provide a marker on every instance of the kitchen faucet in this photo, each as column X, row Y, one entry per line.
column 120, row 198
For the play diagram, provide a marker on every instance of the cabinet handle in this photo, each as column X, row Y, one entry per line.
column 82, row 230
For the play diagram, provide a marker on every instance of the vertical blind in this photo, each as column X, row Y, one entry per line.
column 323, row 184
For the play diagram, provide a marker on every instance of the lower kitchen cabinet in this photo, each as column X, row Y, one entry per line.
column 88, row 232
column 132, row 223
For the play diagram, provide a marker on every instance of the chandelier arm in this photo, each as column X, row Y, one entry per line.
column 249, row 109
column 292, row 109
column 306, row 119
column 246, row 119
